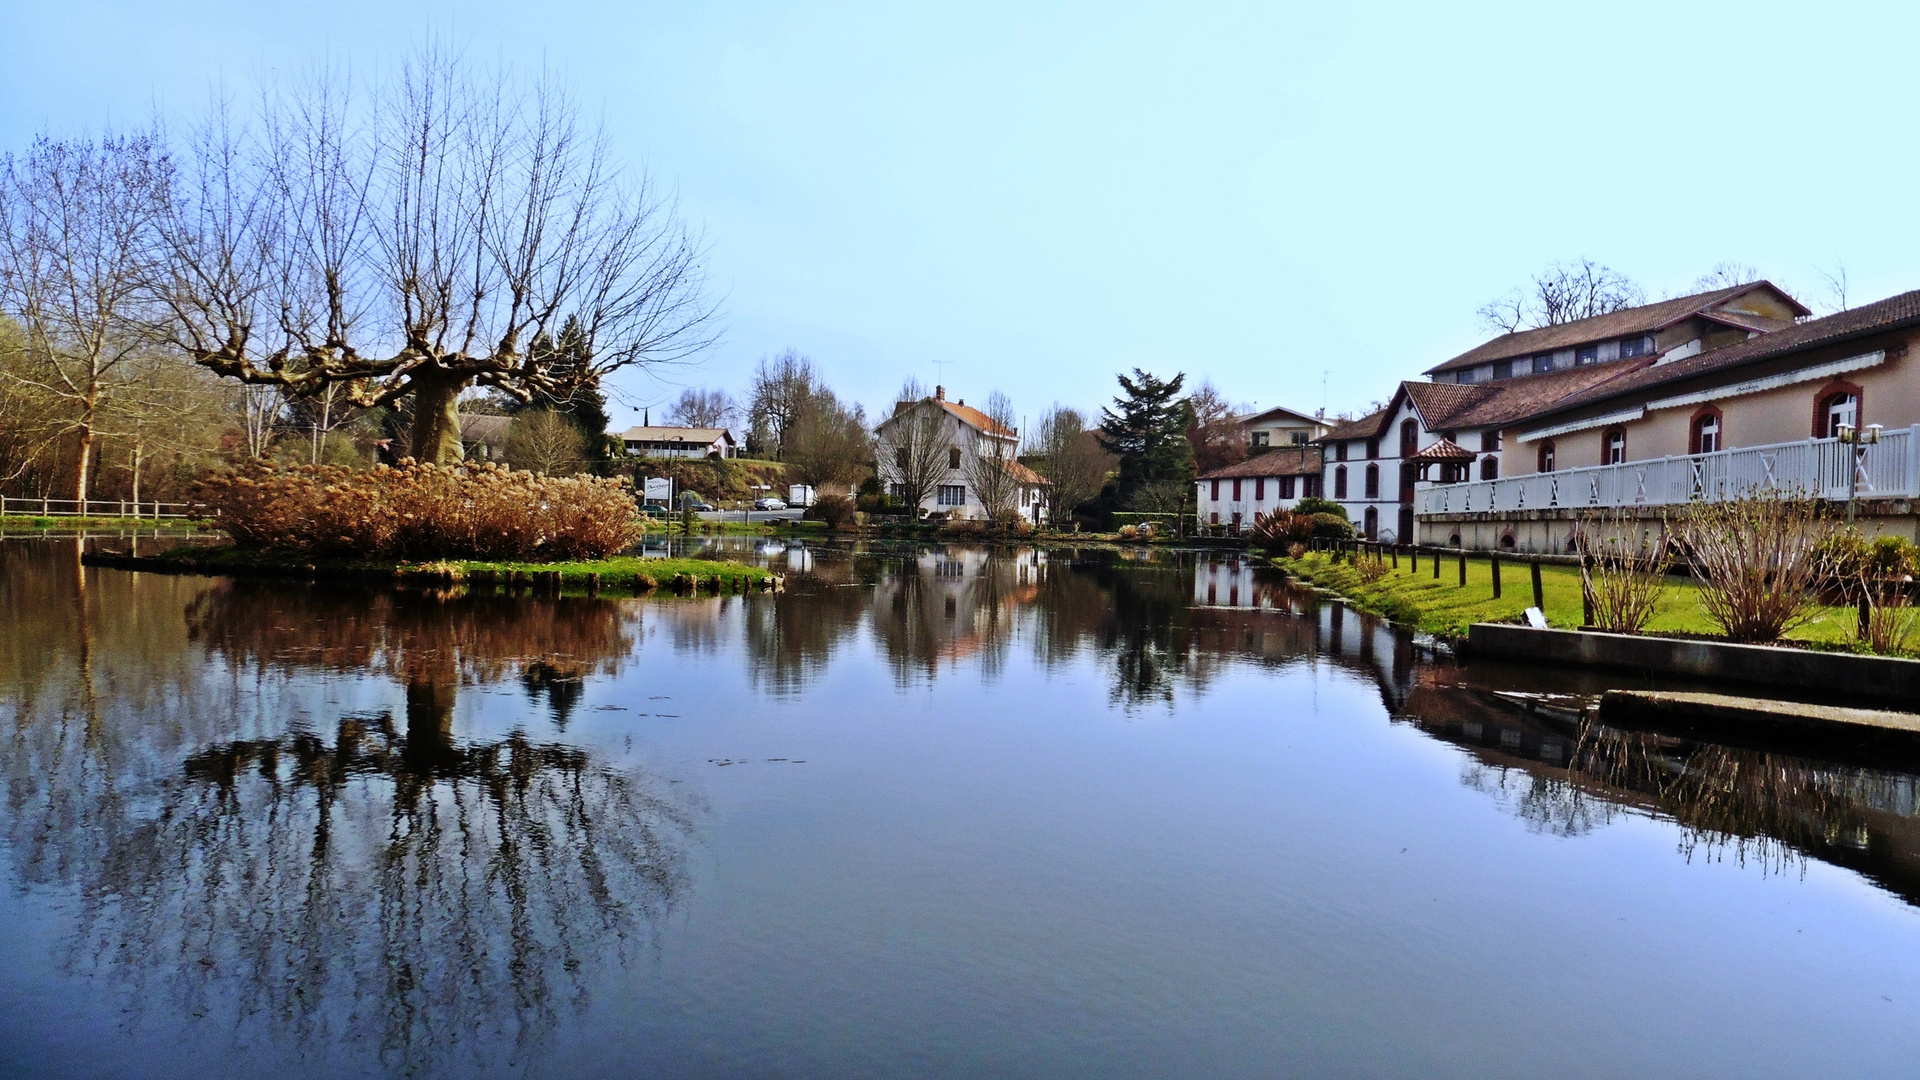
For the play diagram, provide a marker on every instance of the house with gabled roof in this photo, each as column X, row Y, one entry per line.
column 1278, row 479
column 969, row 435
column 1826, row 407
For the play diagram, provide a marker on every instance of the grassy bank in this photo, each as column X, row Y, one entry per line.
column 1442, row 606
column 617, row 574
column 24, row 523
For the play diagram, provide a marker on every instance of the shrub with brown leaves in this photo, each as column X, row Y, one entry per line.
column 418, row 512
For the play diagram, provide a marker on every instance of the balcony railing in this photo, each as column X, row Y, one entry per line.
column 1814, row 467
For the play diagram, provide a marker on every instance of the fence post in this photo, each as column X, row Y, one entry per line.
column 1493, row 560
column 1539, row 594
column 1463, row 567
column 1395, row 551
column 1586, row 594
column 1436, row 564
column 1866, row 615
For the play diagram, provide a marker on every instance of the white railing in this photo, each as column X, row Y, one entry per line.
column 1815, row 467
column 106, row 508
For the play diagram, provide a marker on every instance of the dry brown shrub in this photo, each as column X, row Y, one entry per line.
column 1758, row 559
column 1622, row 580
column 418, row 512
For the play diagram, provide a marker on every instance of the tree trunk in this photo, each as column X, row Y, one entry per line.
column 136, row 479
column 83, row 472
column 436, row 418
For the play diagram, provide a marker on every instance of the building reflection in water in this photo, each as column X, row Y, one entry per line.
column 371, row 881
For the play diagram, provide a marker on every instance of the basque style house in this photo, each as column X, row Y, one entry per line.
column 1828, row 408
column 1280, row 427
column 1276, row 479
column 678, row 442
column 972, row 444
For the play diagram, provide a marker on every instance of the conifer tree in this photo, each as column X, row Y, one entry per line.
column 1147, row 430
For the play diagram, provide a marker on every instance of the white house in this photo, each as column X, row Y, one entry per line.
column 678, row 442
column 1275, row 480
column 967, row 434
column 1281, row 427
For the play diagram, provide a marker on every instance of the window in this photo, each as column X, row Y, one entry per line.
column 952, row 495
column 1489, row 442
column 1216, row 518
column 1286, row 487
column 1340, row 482
column 1260, row 489
column 1372, row 522
column 1258, row 439
column 1586, row 354
column 900, row 458
column 1340, row 451
column 1409, row 476
column 1543, row 363
column 1837, row 409
column 1409, row 438
column 1373, row 449
column 1373, row 481
column 1545, row 455
column 1236, row 491
column 953, row 457
column 1216, row 491
column 898, row 491
column 1489, row 468
column 1503, row 369
column 1634, row 346
column 1299, row 438
column 1707, row 436
column 1613, row 445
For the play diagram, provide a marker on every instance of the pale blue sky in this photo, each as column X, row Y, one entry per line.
column 1041, row 195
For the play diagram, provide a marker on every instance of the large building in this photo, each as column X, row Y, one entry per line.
column 1274, row 480
column 678, row 442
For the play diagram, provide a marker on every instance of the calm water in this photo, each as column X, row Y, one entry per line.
column 933, row 812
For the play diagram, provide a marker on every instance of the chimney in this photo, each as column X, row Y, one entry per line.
column 939, row 393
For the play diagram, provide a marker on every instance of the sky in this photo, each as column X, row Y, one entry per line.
column 1301, row 204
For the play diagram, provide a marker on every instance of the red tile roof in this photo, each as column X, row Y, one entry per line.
column 1644, row 319
column 1443, row 450
column 967, row 414
column 1279, row 461
column 1370, row 426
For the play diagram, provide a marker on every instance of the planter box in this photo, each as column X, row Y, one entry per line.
column 1841, row 674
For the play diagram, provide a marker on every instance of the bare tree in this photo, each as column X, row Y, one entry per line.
column 1835, row 281
column 545, row 441
column 912, row 453
column 783, row 385
column 827, row 442
column 75, row 218
column 415, row 245
column 260, row 411
column 992, row 467
column 698, row 408
column 1726, row 275
column 1562, row 293
column 1071, row 458
column 1216, row 432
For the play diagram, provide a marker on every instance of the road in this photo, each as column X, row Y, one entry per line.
column 793, row 513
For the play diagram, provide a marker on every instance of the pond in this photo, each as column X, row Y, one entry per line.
column 932, row 811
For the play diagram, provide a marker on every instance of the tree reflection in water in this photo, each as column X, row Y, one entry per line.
column 380, row 883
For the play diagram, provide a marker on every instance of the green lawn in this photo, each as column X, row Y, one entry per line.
column 1442, row 606
column 25, row 522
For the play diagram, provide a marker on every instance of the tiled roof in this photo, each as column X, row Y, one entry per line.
column 1510, row 399
column 1439, row 401
column 1443, row 450
column 1369, row 426
column 1279, row 461
column 973, row 417
column 1024, row 475
column 1895, row 312
column 1644, row 319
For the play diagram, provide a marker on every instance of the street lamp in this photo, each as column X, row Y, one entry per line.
column 1856, row 440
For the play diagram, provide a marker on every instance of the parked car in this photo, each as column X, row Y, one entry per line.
column 769, row 503
column 655, row 510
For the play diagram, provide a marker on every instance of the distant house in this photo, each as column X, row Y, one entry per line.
column 678, row 442
column 1275, row 480
column 1281, row 427
column 968, row 432
column 484, row 438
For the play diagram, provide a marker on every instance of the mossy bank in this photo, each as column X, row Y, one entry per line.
column 620, row 574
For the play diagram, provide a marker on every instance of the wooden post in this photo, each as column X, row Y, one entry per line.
column 1396, row 556
column 1586, row 595
column 593, row 584
column 1866, row 615
column 1463, row 568
column 1436, row 564
column 1493, row 563
column 1539, row 594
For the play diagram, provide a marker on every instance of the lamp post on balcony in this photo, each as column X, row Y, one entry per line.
column 1856, row 440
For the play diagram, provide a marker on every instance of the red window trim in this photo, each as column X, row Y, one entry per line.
column 1826, row 394
column 1693, row 428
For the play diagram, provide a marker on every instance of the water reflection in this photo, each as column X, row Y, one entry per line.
column 377, row 880
column 1567, row 774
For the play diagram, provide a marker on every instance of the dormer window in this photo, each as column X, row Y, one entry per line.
column 1543, row 363
column 1586, row 354
column 1340, row 451
column 1635, row 346
column 1259, row 439
column 1503, row 369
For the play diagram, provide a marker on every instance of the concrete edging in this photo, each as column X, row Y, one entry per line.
column 1845, row 674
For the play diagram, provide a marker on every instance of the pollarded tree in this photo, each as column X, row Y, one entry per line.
column 416, row 244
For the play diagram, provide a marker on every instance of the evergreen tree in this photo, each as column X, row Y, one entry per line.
column 570, row 360
column 1147, row 430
